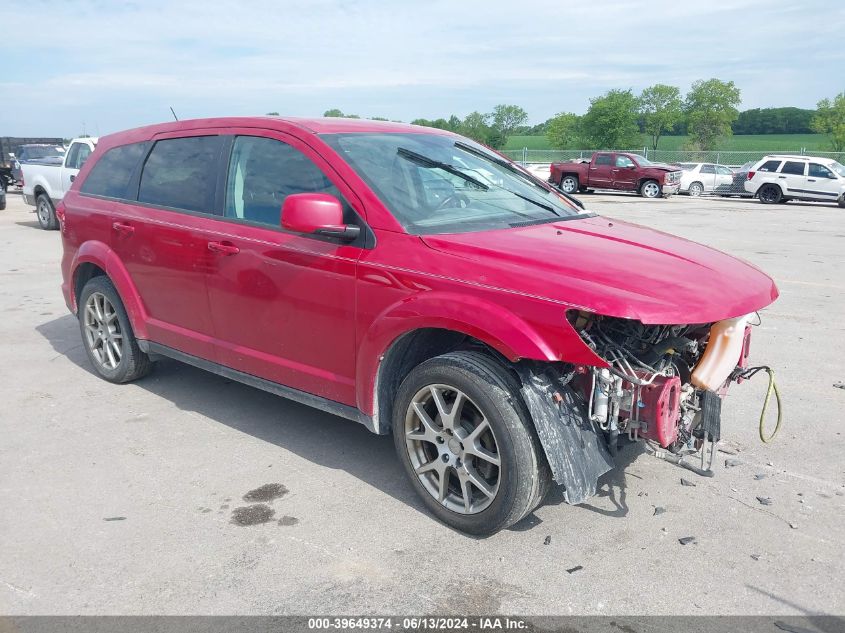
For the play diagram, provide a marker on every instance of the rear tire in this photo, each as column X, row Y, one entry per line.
column 444, row 453
column 770, row 194
column 569, row 184
column 650, row 189
column 46, row 213
column 695, row 189
column 107, row 333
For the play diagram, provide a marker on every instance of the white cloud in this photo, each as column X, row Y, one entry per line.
column 122, row 65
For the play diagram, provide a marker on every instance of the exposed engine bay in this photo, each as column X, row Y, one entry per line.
column 663, row 384
column 663, row 381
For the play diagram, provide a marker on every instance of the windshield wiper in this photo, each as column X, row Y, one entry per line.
column 503, row 163
column 425, row 161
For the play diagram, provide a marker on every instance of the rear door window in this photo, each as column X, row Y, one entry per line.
column 181, row 173
column 708, row 169
column 111, row 174
column 604, row 159
column 793, row 168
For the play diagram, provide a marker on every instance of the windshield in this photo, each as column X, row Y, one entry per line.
column 39, row 151
column 642, row 161
column 441, row 184
column 839, row 168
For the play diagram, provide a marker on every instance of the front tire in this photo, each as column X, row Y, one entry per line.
column 770, row 194
column 650, row 189
column 569, row 184
column 467, row 443
column 46, row 213
column 107, row 333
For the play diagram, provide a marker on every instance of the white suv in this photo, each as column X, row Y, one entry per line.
column 780, row 178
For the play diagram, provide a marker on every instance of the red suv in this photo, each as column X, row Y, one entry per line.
column 411, row 280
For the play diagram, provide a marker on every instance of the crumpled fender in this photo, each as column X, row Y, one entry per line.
column 575, row 448
column 99, row 254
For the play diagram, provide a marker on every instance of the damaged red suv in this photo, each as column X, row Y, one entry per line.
column 413, row 281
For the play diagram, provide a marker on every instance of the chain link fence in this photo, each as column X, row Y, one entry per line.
column 732, row 159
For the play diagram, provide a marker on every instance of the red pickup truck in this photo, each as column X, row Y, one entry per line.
column 612, row 170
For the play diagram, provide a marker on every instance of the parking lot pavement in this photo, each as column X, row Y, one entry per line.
column 121, row 499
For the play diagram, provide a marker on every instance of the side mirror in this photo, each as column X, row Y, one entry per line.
column 317, row 214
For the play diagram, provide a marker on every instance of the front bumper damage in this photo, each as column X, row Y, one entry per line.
column 662, row 385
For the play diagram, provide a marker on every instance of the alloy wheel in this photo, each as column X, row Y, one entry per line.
column 569, row 185
column 102, row 331
column 651, row 190
column 695, row 189
column 43, row 212
column 452, row 449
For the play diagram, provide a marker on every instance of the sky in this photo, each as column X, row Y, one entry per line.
column 99, row 66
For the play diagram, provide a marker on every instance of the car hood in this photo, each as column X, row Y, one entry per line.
column 663, row 166
column 613, row 268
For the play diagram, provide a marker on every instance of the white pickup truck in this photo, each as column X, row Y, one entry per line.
column 45, row 185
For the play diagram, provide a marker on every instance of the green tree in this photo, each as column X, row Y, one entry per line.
column 476, row 126
column 830, row 120
column 611, row 121
column 506, row 119
column 660, row 108
column 562, row 130
column 272, row 114
column 334, row 112
column 710, row 107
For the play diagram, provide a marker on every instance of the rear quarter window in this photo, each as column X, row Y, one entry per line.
column 770, row 165
column 111, row 174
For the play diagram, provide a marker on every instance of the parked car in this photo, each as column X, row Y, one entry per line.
column 776, row 179
column 36, row 154
column 738, row 185
column 411, row 280
column 2, row 198
column 612, row 170
column 10, row 147
column 700, row 178
column 44, row 184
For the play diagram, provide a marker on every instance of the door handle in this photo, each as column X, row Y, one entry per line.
column 72, row 177
column 123, row 229
column 811, row 180
column 784, row 177
column 225, row 248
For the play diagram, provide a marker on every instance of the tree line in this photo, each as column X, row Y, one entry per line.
column 617, row 119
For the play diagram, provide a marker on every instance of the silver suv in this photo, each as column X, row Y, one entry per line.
column 778, row 178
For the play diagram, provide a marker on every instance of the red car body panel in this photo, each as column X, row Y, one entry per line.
column 319, row 316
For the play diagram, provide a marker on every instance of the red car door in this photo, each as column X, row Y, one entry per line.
column 624, row 173
column 161, row 239
column 283, row 303
column 601, row 171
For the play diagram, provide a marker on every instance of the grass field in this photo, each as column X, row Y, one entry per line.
column 759, row 142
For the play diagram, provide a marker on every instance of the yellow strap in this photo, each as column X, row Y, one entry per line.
column 772, row 387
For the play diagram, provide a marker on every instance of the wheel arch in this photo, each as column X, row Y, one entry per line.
column 95, row 258
column 408, row 333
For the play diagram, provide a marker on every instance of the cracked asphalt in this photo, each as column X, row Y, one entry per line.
column 186, row 493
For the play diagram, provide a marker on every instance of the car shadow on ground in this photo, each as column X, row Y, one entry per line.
column 30, row 225
column 319, row 437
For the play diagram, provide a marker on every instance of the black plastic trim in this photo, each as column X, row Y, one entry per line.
column 302, row 397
